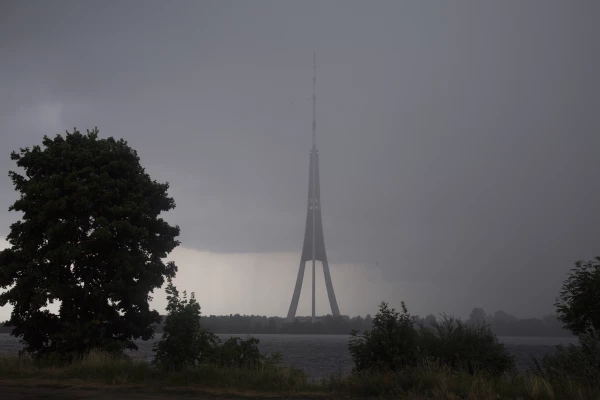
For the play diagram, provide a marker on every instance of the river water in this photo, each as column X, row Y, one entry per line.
column 322, row 355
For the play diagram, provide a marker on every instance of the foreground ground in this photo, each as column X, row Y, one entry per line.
column 100, row 376
column 19, row 390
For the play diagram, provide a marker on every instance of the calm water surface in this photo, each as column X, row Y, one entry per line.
column 321, row 355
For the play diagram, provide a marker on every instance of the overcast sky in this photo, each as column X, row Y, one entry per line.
column 458, row 139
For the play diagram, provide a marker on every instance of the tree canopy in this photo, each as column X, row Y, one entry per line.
column 578, row 305
column 90, row 238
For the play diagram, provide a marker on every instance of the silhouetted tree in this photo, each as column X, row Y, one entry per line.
column 429, row 320
column 578, row 308
column 184, row 343
column 477, row 316
column 553, row 326
column 578, row 305
column 91, row 239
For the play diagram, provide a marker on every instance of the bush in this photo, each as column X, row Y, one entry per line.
column 184, row 343
column 390, row 345
column 580, row 363
column 395, row 343
column 238, row 353
column 461, row 346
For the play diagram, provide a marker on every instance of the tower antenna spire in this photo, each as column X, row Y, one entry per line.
column 314, row 244
column 314, row 101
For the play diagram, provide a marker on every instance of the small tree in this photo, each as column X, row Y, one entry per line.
column 184, row 343
column 477, row 316
column 578, row 305
column 390, row 345
column 91, row 239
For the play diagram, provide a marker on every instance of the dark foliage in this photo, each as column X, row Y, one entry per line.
column 466, row 347
column 256, row 324
column 238, row 353
column 578, row 362
column 504, row 324
column 501, row 324
column 390, row 345
column 395, row 343
column 90, row 238
column 578, row 305
column 184, row 343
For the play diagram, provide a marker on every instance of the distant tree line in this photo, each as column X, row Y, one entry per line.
column 501, row 323
column 504, row 324
column 256, row 324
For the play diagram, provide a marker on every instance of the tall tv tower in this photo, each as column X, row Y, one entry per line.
column 314, row 242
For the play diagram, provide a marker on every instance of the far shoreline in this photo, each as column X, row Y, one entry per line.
column 158, row 333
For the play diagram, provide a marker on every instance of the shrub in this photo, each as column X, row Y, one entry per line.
column 580, row 363
column 397, row 342
column 238, row 353
column 390, row 345
column 461, row 346
column 184, row 343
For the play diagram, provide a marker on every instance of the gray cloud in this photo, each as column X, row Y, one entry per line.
column 458, row 140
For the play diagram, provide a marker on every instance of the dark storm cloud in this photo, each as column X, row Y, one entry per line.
column 458, row 140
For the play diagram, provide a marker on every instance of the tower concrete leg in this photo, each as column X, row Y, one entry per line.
column 296, row 297
column 330, row 293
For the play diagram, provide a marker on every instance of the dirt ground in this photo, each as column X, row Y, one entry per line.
column 15, row 391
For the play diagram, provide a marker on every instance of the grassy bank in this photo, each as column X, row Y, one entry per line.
column 103, row 369
column 426, row 382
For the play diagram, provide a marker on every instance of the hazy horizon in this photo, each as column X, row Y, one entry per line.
column 458, row 140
